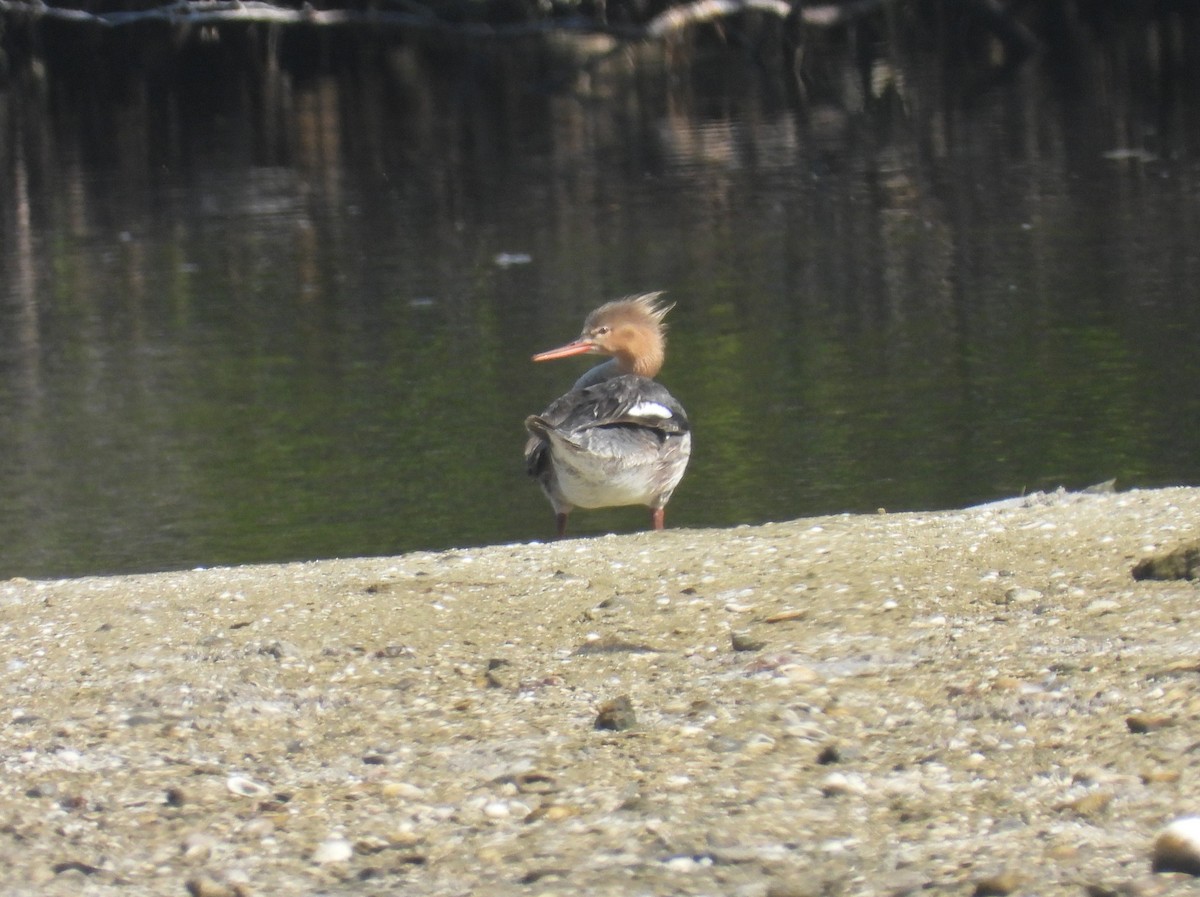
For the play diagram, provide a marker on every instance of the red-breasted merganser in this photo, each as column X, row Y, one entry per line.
column 618, row 437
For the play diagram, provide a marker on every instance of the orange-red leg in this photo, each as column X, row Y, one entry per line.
column 656, row 517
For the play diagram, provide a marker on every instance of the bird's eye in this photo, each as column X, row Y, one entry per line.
column 603, row 330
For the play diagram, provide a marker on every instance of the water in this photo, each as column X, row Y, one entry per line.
column 291, row 318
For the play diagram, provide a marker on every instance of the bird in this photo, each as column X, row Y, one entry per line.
column 618, row 437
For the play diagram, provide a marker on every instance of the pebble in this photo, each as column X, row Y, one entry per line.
column 496, row 809
column 177, row 797
column 1141, row 723
column 743, row 641
column 1156, row 776
column 687, row 863
column 203, row 886
column 998, row 885
column 1181, row 563
column 42, row 789
column 617, row 714
column 405, row 790
column 1177, row 847
column 553, row 812
column 759, row 743
column 1020, row 595
column 725, row 744
column 333, row 850
column 559, row 812
column 799, row 672
column 837, row 783
column 786, row 616
column 197, row 847
column 245, row 787
column 1092, row 804
column 258, row 827
column 832, row 753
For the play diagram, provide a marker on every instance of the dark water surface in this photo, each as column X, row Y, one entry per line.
column 293, row 319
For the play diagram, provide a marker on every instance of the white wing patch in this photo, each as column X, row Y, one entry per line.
column 650, row 409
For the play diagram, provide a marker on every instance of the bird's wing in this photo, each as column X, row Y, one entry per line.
column 628, row 400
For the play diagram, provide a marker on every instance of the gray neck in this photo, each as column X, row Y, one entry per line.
column 599, row 374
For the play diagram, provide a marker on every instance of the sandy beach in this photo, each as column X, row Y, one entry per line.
column 981, row 701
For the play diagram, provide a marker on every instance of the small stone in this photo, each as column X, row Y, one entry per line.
column 1177, row 847
column 259, row 827
column 492, row 677
column 1160, row 776
column 559, row 812
column 725, row 744
column 281, row 650
column 613, row 645
column 998, row 885
column 405, row 790
column 391, row 652
column 368, row 845
column 535, row 783
column 404, row 838
column 545, row 872
column 759, row 743
column 203, row 886
column 836, row 784
column 1182, row 563
column 333, row 850
column 743, row 641
column 799, row 672
column 197, row 847
column 1102, row 606
column 1020, row 595
column 245, row 787
column 177, row 797
column 785, row 616
column 687, row 863
column 1136, row 887
column 42, row 789
column 616, row 714
column 831, row 753
column 1141, row 723
column 1091, row 804
column 1063, row 853
column 75, row 866
column 496, row 809
column 553, row 812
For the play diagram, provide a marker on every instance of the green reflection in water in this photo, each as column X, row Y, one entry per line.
column 236, row 362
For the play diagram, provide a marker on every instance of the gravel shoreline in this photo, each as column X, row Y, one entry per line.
column 969, row 702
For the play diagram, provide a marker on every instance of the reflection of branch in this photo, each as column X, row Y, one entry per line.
column 1016, row 37
column 704, row 10
column 24, row 283
column 827, row 14
column 208, row 12
column 212, row 12
column 824, row 14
